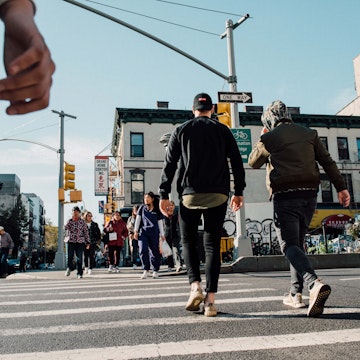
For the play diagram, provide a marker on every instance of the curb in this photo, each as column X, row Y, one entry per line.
column 241, row 265
column 280, row 263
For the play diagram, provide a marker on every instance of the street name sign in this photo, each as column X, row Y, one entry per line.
column 235, row 97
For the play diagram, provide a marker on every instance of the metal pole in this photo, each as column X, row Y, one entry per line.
column 242, row 244
column 60, row 255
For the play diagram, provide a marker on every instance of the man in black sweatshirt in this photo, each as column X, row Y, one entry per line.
column 200, row 149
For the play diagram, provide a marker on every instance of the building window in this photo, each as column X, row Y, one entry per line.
column 343, row 148
column 326, row 189
column 137, row 145
column 358, row 148
column 137, row 186
column 324, row 140
column 349, row 186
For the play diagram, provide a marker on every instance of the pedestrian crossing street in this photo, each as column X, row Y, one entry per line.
column 123, row 317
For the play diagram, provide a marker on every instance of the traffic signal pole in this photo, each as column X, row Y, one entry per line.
column 240, row 215
column 60, row 255
column 242, row 244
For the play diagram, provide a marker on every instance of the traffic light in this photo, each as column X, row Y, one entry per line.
column 69, row 176
column 223, row 113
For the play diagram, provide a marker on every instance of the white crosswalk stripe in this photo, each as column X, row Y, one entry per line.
column 63, row 308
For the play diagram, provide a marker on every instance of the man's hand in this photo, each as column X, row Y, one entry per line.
column 344, row 198
column 164, row 204
column 236, row 202
column 27, row 60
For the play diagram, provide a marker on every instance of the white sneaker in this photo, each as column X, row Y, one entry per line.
column 111, row 268
column 117, row 269
column 294, row 301
column 86, row 270
column 67, row 273
column 319, row 293
column 155, row 275
column 89, row 272
column 144, row 274
column 195, row 299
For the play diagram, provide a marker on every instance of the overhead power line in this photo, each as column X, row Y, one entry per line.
column 152, row 18
column 199, row 8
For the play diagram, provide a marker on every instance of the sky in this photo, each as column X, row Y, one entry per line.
column 298, row 51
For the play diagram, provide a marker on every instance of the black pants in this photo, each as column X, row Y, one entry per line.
column 213, row 223
column 4, row 253
column 89, row 256
column 78, row 250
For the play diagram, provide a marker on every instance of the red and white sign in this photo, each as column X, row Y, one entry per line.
column 101, row 175
column 337, row 221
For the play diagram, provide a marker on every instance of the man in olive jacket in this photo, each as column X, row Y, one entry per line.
column 291, row 153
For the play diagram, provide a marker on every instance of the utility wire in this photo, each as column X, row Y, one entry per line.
column 199, row 8
column 153, row 18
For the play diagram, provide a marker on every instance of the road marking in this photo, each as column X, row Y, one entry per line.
column 78, row 284
column 53, row 312
column 125, row 307
column 208, row 346
column 126, row 297
column 74, row 292
column 350, row 279
column 195, row 318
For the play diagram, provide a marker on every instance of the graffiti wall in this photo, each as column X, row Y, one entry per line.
column 259, row 228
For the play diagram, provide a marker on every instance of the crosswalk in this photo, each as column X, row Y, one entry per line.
column 104, row 318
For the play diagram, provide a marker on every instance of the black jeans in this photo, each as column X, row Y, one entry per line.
column 89, row 256
column 4, row 253
column 78, row 250
column 134, row 249
column 292, row 218
column 213, row 223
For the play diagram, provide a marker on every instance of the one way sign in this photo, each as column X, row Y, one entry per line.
column 236, row 97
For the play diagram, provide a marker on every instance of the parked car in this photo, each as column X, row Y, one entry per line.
column 13, row 265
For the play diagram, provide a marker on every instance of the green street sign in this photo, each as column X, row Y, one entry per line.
column 243, row 140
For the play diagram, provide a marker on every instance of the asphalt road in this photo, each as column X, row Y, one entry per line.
column 45, row 315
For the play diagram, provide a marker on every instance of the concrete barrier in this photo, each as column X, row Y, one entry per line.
column 280, row 263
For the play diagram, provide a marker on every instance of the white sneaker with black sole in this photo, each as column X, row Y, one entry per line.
column 319, row 293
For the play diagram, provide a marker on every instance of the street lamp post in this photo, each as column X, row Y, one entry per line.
column 242, row 244
column 240, row 215
column 60, row 255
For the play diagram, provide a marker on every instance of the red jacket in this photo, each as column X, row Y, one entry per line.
column 119, row 227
